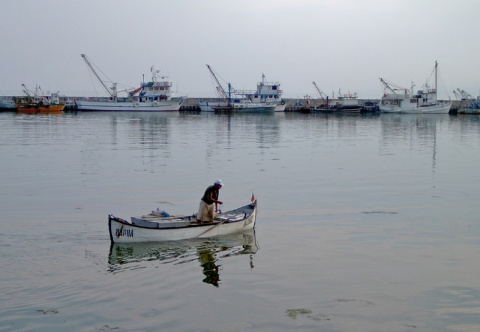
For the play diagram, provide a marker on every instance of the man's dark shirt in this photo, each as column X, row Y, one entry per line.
column 211, row 192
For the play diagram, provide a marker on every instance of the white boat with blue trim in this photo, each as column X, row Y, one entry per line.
column 266, row 99
column 153, row 96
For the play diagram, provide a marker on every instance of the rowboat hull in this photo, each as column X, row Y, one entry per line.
column 180, row 228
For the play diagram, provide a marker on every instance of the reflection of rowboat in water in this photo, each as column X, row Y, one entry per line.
column 207, row 252
column 178, row 252
column 156, row 227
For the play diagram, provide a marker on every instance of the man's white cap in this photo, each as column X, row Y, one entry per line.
column 219, row 182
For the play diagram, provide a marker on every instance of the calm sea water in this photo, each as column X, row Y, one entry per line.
column 366, row 223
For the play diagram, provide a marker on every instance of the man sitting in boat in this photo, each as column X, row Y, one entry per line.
column 206, row 213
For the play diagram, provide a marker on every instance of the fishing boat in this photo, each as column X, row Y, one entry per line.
column 325, row 104
column 301, row 106
column 343, row 103
column 232, row 100
column 244, row 106
column 153, row 96
column 161, row 227
column 266, row 93
column 7, row 104
column 467, row 103
column 39, row 103
column 473, row 107
column 400, row 100
column 348, row 103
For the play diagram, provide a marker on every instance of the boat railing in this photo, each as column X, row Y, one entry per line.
column 246, row 92
column 269, row 83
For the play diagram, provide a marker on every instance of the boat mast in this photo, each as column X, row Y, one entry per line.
column 436, row 66
column 112, row 94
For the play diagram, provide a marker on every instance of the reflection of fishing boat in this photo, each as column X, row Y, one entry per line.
column 153, row 96
column 401, row 100
column 156, row 227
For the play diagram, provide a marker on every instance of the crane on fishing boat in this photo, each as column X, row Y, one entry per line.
column 111, row 91
column 26, row 91
column 220, row 88
column 320, row 92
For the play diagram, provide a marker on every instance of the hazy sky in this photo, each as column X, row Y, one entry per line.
column 339, row 44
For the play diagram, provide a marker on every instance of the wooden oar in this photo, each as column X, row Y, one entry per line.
column 223, row 221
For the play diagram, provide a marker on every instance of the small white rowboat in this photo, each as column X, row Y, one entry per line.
column 154, row 227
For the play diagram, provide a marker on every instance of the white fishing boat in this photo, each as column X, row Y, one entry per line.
column 232, row 100
column 237, row 105
column 347, row 103
column 245, row 106
column 266, row 93
column 158, row 227
column 153, row 96
column 400, row 100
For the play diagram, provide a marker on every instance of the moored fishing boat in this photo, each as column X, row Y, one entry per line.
column 264, row 99
column 153, row 96
column 325, row 104
column 39, row 103
column 472, row 108
column 266, row 93
column 467, row 103
column 245, row 106
column 348, row 103
column 400, row 100
column 32, row 108
column 7, row 104
column 158, row 227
